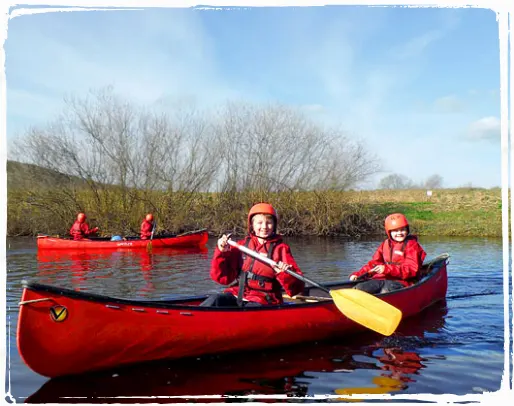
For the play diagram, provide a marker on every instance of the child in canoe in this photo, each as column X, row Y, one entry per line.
column 253, row 283
column 147, row 227
column 396, row 262
column 80, row 229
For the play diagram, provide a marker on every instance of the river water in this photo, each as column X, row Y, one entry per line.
column 453, row 348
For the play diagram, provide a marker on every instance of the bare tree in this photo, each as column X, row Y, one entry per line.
column 275, row 148
column 116, row 158
column 396, row 181
column 105, row 142
column 434, row 182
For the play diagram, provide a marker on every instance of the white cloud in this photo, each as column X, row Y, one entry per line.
column 487, row 128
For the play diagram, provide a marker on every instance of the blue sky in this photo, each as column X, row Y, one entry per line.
column 420, row 86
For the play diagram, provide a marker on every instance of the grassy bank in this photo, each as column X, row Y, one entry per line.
column 448, row 212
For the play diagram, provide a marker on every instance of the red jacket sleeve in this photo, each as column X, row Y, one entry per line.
column 291, row 285
column 410, row 266
column 85, row 228
column 87, row 231
column 377, row 259
column 225, row 266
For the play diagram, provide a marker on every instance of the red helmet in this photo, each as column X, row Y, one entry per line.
column 149, row 217
column 394, row 221
column 262, row 208
column 81, row 217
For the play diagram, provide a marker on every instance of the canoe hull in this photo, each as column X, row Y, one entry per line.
column 198, row 239
column 63, row 332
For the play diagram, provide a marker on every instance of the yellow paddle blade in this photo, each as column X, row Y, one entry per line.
column 366, row 391
column 385, row 385
column 368, row 310
column 387, row 381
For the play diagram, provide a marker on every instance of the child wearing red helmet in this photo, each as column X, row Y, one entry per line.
column 253, row 283
column 80, row 229
column 396, row 262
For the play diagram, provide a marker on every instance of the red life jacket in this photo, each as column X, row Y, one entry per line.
column 394, row 252
column 79, row 230
column 402, row 260
column 146, row 229
column 256, row 276
column 256, row 281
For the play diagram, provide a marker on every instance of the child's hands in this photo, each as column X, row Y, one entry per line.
column 353, row 278
column 378, row 269
column 223, row 244
column 281, row 267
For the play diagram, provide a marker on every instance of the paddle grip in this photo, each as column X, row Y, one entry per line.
column 272, row 263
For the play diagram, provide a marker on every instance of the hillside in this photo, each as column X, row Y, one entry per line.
column 28, row 176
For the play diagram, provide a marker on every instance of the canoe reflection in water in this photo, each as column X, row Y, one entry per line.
column 386, row 363
column 83, row 269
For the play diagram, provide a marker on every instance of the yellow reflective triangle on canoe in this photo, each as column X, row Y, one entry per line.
column 368, row 310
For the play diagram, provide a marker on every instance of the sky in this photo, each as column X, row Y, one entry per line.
column 420, row 87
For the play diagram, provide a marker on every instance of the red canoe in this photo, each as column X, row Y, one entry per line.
column 63, row 332
column 236, row 375
column 191, row 239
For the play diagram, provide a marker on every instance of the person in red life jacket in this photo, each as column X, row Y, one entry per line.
column 80, row 229
column 147, row 227
column 396, row 262
column 251, row 282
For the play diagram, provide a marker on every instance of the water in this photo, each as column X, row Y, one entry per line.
column 455, row 347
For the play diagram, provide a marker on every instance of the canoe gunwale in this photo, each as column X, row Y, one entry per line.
column 180, row 303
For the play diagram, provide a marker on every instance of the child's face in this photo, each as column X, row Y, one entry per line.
column 263, row 225
column 400, row 234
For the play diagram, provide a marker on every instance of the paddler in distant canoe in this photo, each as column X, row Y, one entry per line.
column 80, row 229
column 147, row 227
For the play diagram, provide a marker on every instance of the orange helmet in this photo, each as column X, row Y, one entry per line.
column 81, row 217
column 394, row 221
column 149, row 217
column 262, row 208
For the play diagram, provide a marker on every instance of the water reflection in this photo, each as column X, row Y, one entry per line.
column 462, row 355
column 292, row 371
column 398, row 356
column 83, row 269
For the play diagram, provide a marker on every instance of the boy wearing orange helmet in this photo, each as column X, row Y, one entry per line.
column 396, row 262
column 254, row 283
column 80, row 229
column 147, row 227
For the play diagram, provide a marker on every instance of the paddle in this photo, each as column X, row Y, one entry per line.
column 149, row 245
column 357, row 305
column 153, row 229
column 191, row 232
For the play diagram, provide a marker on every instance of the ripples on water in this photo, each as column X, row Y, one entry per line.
column 453, row 348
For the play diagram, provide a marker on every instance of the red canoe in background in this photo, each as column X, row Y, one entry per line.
column 64, row 332
column 191, row 239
